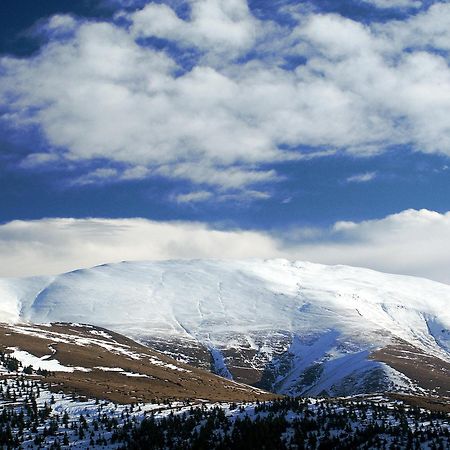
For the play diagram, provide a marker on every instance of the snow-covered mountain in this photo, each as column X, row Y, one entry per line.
column 293, row 327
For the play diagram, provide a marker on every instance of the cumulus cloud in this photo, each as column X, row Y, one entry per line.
column 223, row 27
column 101, row 93
column 61, row 23
column 411, row 242
column 425, row 31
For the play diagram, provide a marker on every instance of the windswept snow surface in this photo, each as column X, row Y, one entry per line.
column 332, row 315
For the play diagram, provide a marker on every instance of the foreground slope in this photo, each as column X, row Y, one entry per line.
column 97, row 363
column 57, row 421
column 292, row 327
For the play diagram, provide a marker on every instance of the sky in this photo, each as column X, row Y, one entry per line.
column 313, row 130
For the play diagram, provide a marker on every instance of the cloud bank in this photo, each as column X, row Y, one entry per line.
column 218, row 101
column 51, row 246
column 411, row 242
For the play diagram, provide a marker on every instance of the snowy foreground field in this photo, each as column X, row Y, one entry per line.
column 31, row 416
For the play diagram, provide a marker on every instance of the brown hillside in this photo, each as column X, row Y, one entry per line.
column 113, row 367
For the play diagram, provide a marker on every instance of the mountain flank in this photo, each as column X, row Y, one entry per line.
column 97, row 363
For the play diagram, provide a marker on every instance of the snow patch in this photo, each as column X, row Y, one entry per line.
column 52, row 365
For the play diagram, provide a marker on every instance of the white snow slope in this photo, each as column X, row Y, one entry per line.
column 314, row 314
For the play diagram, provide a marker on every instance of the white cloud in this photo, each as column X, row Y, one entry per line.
column 193, row 197
column 239, row 196
column 362, row 177
column 55, row 245
column 97, row 175
column 223, row 176
column 223, row 27
column 98, row 94
column 411, row 242
column 391, row 4
column 108, row 174
column 430, row 29
column 135, row 173
column 38, row 159
column 61, row 22
column 244, row 196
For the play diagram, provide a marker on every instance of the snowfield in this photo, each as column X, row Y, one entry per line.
column 289, row 317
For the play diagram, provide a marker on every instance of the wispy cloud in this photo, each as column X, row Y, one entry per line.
column 99, row 175
column 193, row 197
column 391, row 4
column 362, row 177
column 239, row 196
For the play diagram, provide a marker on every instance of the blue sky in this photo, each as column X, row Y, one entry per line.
column 270, row 117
